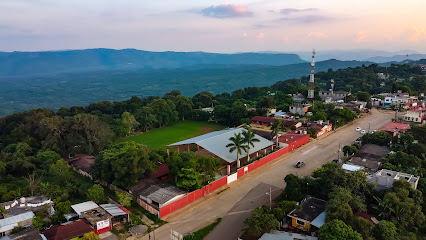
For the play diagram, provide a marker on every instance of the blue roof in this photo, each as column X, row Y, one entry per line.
column 215, row 142
column 319, row 221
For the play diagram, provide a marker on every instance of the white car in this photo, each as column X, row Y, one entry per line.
column 363, row 132
column 358, row 129
column 373, row 131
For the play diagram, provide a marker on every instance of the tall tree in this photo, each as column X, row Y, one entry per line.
column 249, row 138
column 261, row 221
column 276, row 127
column 337, row 230
column 129, row 122
column 184, row 106
column 237, row 144
column 123, row 164
column 33, row 182
column 146, row 118
column 96, row 193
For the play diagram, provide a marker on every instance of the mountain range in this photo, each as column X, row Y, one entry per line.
column 53, row 62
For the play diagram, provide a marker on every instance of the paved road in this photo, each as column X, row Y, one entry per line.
column 315, row 153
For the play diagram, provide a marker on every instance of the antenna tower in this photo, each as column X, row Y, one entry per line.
column 312, row 78
column 332, row 87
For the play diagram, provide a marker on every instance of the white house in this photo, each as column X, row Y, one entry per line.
column 300, row 109
column 385, row 178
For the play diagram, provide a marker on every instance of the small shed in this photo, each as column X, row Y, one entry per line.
column 118, row 213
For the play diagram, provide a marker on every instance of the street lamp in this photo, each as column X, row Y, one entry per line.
column 270, row 198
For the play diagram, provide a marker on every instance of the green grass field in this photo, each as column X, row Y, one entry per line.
column 159, row 138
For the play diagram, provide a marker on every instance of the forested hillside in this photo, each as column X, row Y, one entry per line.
column 53, row 92
column 42, row 63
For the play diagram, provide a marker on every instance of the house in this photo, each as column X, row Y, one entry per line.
column 416, row 114
column 398, row 99
column 300, row 109
column 156, row 193
column 81, row 163
column 353, row 105
column 333, row 96
column 310, row 215
column 99, row 219
column 23, row 220
column 370, row 156
column 320, row 128
column 25, row 234
column 394, row 128
column 382, row 76
column 119, row 214
column 264, row 121
column 385, row 178
column 83, row 207
column 163, row 171
column 298, row 97
column 294, row 140
column 279, row 235
column 287, row 123
column 68, row 230
column 280, row 115
column 27, row 204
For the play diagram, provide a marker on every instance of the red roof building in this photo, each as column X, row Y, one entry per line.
column 265, row 121
column 68, row 231
column 394, row 128
column 294, row 140
column 163, row 170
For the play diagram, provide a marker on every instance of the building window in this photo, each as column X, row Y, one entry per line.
column 301, row 223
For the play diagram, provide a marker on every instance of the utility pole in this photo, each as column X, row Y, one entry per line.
column 368, row 127
column 396, row 115
column 338, row 153
column 270, row 198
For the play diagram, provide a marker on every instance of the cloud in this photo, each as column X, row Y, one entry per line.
column 260, row 35
column 307, row 19
column 287, row 11
column 361, row 36
column 245, row 34
column 227, row 10
column 419, row 34
column 316, row 35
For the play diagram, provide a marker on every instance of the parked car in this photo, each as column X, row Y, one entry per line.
column 363, row 132
column 358, row 129
column 358, row 140
column 338, row 161
column 373, row 131
column 300, row 164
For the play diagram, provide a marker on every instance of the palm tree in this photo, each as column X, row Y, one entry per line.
column 276, row 127
column 237, row 143
column 249, row 138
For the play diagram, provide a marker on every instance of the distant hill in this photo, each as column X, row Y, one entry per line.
column 23, row 93
column 357, row 54
column 397, row 58
column 53, row 62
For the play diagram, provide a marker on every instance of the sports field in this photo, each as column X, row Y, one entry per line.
column 159, row 138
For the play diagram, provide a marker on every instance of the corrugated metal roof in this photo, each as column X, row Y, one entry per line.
column 113, row 209
column 82, row 207
column 16, row 219
column 215, row 142
column 351, row 167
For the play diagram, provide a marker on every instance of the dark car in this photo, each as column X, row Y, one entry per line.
column 300, row 164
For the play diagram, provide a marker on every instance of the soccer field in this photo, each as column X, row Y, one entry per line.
column 159, row 138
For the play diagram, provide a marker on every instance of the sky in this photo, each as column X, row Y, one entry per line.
column 213, row 26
